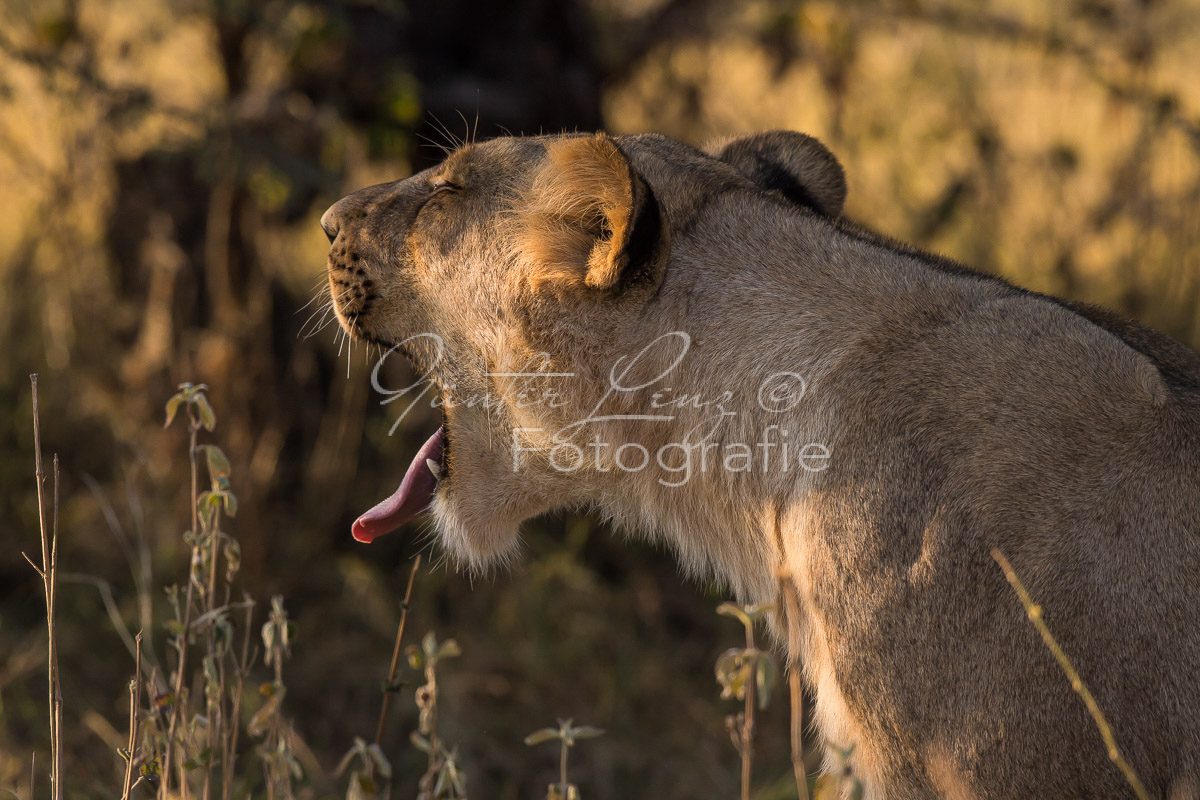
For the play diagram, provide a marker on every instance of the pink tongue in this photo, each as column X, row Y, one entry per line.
column 409, row 500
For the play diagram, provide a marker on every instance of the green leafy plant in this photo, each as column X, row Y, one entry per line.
column 747, row 674
column 443, row 779
column 180, row 740
column 567, row 733
column 276, row 752
column 371, row 775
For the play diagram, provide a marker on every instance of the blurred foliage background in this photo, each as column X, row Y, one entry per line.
column 164, row 164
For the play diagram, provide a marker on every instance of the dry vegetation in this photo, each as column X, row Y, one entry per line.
column 164, row 165
column 188, row 709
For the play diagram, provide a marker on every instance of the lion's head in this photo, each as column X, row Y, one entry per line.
column 517, row 276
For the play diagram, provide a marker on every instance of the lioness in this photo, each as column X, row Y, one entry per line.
column 696, row 346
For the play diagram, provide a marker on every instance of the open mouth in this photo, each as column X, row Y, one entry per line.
column 412, row 497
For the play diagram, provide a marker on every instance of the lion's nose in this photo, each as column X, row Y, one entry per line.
column 329, row 222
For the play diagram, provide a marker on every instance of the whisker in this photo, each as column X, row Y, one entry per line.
column 441, row 128
column 324, row 324
column 314, row 299
column 425, row 140
column 307, row 331
column 324, row 311
column 321, row 288
column 466, row 125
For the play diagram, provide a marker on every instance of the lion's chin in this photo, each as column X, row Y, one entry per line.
column 473, row 533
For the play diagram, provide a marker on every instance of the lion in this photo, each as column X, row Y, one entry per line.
column 699, row 347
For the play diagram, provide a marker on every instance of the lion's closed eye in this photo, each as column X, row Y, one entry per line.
column 441, row 189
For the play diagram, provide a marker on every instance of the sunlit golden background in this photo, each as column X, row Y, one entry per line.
column 163, row 166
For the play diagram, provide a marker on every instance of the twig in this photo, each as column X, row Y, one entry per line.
column 36, row 568
column 1034, row 612
column 562, row 769
column 217, row 721
column 135, row 694
column 391, row 678
column 235, row 712
column 58, row 701
column 211, row 594
column 181, row 666
column 795, row 688
column 748, row 719
column 48, row 574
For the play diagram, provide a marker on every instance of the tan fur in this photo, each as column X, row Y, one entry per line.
column 958, row 414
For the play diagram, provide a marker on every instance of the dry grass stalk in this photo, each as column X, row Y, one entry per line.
column 1034, row 612
column 795, row 688
column 748, row 726
column 391, row 678
column 135, row 694
column 48, row 572
column 53, row 605
column 231, row 741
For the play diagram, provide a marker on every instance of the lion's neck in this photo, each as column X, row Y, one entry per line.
column 750, row 356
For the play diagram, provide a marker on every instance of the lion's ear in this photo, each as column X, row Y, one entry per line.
column 587, row 216
column 797, row 166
